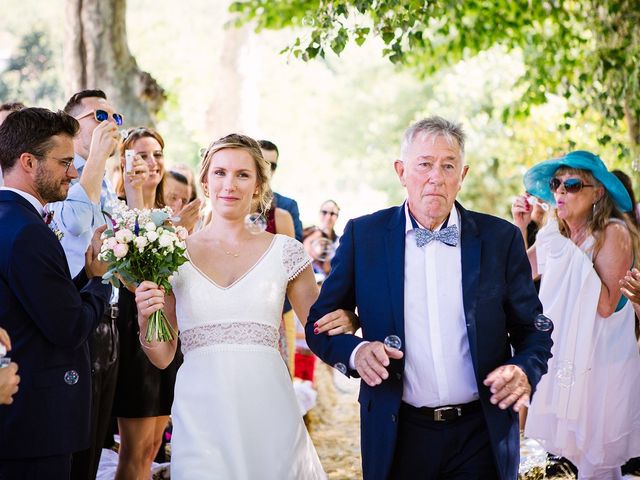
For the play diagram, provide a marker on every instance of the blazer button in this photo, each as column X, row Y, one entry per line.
column 394, row 417
column 71, row 377
column 398, row 375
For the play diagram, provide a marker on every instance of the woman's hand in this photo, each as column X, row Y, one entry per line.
column 189, row 215
column 135, row 178
column 630, row 286
column 149, row 299
column 337, row 322
column 521, row 212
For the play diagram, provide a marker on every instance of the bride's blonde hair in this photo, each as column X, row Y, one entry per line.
column 235, row 140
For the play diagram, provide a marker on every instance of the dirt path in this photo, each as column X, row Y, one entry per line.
column 334, row 424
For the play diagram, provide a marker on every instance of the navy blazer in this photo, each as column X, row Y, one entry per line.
column 500, row 305
column 291, row 206
column 49, row 317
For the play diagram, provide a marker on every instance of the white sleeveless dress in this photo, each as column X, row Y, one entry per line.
column 586, row 406
column 235, row 414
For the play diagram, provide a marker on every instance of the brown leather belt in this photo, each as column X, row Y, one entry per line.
column 446, row 413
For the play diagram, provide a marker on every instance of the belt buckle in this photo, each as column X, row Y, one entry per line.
column 113, row 311
column 440, row 414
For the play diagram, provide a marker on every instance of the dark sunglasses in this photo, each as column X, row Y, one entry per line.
column 327, row 212
column 273, row 166
column 102, row 115
column 571, row 185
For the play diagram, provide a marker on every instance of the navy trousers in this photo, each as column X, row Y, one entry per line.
column 57, row 467
column 455, row 450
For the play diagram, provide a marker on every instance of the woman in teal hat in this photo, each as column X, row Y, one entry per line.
column 584, row 408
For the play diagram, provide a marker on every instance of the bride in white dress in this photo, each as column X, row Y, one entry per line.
column 235, row 415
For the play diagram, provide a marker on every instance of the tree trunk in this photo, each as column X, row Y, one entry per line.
column 96, row 56
column 224, row 115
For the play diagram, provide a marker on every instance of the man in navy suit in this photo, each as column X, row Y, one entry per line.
column 455, row 286
column 48, row 315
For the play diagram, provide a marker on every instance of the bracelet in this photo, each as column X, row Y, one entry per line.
column 147, row 346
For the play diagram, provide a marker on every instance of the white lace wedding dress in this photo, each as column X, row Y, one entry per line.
column 235, row 415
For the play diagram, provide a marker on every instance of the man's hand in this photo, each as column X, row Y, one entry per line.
column 337, row 322
column 9, row 380
column 104, row 140
column 93, row 266
column 371, row 362
column 4, row 339
column 509, row 385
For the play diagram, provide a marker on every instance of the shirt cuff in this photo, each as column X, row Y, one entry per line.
column 352, row 358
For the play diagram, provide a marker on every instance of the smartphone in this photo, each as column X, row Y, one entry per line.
column 128, row 160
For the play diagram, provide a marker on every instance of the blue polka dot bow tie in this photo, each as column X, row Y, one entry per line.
column 448, row 235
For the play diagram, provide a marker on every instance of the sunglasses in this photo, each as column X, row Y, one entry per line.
column 273, row 166
column 327, row 212
column 102, row 115
column 571, row 185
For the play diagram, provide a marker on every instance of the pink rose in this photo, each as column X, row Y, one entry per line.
column 120, row 250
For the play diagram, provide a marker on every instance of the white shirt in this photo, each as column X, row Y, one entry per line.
column 438, row 368
column 28, row 197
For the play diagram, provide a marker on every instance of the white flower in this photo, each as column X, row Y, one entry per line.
column 152, row 236
column 165, row 240
column 141, row 242
column 124, row 236
column 150, row 227
column 109, row 243
column 121, row 250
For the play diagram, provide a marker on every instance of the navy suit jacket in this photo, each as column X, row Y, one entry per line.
column 500, row 304
column 291, row 206
column 49, row 317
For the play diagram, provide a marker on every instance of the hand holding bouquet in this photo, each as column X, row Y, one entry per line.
column 144, row 245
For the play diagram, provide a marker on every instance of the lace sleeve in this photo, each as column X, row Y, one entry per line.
column 294, row 258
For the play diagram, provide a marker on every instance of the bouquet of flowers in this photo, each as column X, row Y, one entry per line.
column 144, row 245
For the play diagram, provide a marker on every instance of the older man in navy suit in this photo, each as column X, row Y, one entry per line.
column 455, row 287
column 48, row 315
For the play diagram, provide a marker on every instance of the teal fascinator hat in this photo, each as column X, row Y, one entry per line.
column 537, row 178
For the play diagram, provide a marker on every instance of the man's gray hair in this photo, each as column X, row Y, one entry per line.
column 435, row 127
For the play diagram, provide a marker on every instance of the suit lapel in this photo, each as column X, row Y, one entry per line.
column 394, row 243
column 470, row 246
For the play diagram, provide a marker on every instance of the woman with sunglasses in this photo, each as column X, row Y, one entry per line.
column 329, row 213
column 584, row 408
column 144, row 393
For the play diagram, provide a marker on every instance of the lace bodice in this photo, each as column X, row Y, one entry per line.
column 208, row 313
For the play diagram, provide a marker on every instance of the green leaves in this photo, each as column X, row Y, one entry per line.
column 588, row 52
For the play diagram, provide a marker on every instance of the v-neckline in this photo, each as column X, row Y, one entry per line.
column 241, row 277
